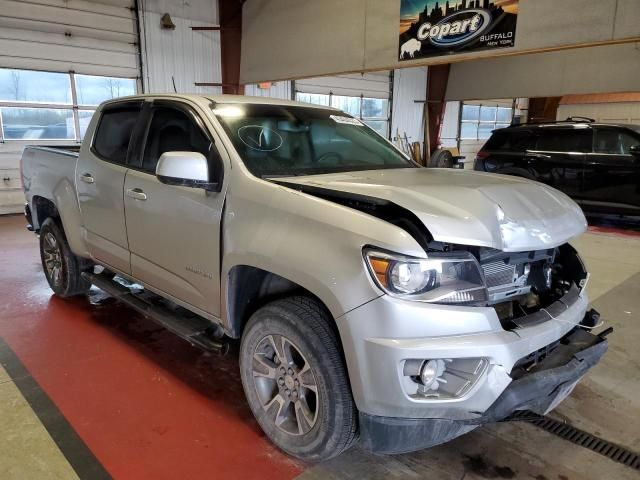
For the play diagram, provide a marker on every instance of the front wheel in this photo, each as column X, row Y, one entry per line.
column 295, row 380
column 61, row 267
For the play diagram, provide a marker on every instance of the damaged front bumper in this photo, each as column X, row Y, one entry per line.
column 539, row 387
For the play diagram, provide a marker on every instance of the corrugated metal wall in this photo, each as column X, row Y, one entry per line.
column 97, row 38
column 407, row 117
column 370, row 85
column 622, row 112
column 180, row 57
column 280, row 90
column 11, row 196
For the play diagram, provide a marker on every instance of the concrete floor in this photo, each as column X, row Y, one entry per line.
column 89, row 389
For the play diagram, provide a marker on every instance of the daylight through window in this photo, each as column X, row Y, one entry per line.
column 372, row 111
column 38, row 105
column 478, row 121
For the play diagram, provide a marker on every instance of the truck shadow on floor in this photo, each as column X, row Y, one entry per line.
column 212, row 375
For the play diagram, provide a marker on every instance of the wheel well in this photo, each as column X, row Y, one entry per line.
column 42, row 209
column 517, row 172
column 250, row 288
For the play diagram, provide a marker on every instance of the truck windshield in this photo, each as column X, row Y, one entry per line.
column 283, row 140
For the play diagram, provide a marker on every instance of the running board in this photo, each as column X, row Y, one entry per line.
column 196, row 330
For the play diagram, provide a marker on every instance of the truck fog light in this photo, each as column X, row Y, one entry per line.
column 442, row 378
column 429, row 373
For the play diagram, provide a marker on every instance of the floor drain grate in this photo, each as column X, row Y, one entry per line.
column 579, row 437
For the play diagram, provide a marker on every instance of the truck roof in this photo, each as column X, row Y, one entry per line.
column 207, row 99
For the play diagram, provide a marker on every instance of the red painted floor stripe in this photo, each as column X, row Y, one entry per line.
column 145, row 402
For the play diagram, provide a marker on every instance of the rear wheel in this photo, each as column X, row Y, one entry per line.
column 61, row 267
column 295, row 379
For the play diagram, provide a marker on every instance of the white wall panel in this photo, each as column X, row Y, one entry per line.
column 601, row 69
column 407, row 117
column 450, row 125
column 623, row 112
column 57, row 35
column 280, row 90
column 183, row 56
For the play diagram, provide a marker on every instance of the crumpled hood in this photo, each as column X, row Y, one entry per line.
column 467, row 207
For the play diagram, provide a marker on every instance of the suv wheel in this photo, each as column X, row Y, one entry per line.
column 61, row 267
column 295, row 380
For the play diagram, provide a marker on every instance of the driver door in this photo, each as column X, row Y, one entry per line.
column 174, row 231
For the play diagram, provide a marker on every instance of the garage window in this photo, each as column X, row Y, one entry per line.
column 38, row 105
column 478, row 121
column 372, row 111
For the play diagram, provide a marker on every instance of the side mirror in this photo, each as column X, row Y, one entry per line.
column 635, row 150
column 185, row 169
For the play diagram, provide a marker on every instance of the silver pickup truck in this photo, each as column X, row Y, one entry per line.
column 368, row 297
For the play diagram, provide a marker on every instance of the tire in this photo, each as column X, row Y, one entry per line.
column 441, row 158
column 61, row 267
column 313, row 426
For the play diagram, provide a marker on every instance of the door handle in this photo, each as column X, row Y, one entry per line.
column 136, row 193
column 87, row 178
column 541, row 156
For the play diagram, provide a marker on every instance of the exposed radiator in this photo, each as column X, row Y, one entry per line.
column 499, row 273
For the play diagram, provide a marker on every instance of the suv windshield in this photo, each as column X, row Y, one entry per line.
column 283, row 140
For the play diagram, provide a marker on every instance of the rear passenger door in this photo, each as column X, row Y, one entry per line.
column 174, row 231
column 100, row 178
column 559, row 156
column 612, row 174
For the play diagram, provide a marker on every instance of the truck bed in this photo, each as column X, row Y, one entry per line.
column 72, row 149
column 47, row 170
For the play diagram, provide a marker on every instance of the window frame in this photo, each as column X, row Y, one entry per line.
column 115, row 106
column 141, row 135
column 74, row 107
column 477, row 122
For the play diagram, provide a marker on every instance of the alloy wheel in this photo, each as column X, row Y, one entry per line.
column 52, row 258
column 285, row 384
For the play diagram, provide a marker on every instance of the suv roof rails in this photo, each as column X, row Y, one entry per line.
column 568, row 120
column 580, row 119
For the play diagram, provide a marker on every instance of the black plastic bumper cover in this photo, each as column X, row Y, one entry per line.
column 536, row 389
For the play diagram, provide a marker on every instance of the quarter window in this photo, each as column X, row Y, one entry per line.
column 114, row 133
column 514, row 141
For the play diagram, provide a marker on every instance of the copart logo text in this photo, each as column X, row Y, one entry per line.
column 456, row 29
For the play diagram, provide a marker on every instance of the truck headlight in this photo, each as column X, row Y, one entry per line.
column 449, row 278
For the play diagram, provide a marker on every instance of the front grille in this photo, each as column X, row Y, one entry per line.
column 498, row 273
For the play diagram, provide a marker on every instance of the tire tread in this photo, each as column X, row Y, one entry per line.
column 311, row 320
column 312, row 312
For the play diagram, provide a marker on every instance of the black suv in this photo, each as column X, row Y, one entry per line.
column 596, row 164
